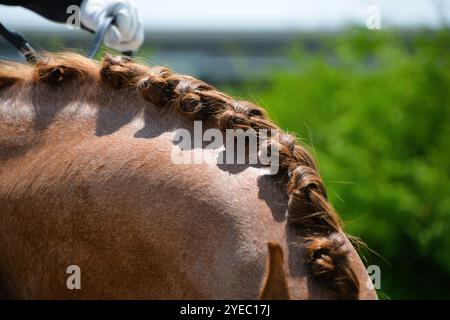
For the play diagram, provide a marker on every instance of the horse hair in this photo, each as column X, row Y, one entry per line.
column 309, row 213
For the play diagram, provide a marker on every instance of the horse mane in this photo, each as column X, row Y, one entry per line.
column 309, row 213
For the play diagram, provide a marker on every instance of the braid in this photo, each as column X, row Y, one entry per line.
column 308, row 208
column 309, row 213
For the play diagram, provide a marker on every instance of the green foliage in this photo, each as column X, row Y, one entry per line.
column 375, row 109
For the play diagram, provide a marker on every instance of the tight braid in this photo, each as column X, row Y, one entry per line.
column 309, row 212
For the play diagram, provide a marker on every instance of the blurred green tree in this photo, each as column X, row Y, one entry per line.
column 374, row 106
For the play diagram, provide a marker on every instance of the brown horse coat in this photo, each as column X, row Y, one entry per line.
column 86, row 179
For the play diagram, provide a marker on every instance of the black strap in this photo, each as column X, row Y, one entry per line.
column 24, row 47
column 18, row 41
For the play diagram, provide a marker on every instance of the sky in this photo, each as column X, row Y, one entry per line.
column 238, row 15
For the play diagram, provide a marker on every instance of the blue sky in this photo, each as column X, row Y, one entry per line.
column 261, row 14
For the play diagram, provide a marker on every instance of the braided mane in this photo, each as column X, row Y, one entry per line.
column 314, row 220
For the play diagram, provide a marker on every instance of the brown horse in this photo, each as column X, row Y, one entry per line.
column 86, row 179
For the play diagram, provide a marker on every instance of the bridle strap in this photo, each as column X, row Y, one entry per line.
column 99, row 35
column 24, row 47
column 18, row 41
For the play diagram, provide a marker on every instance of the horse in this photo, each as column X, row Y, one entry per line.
column 87, row 180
